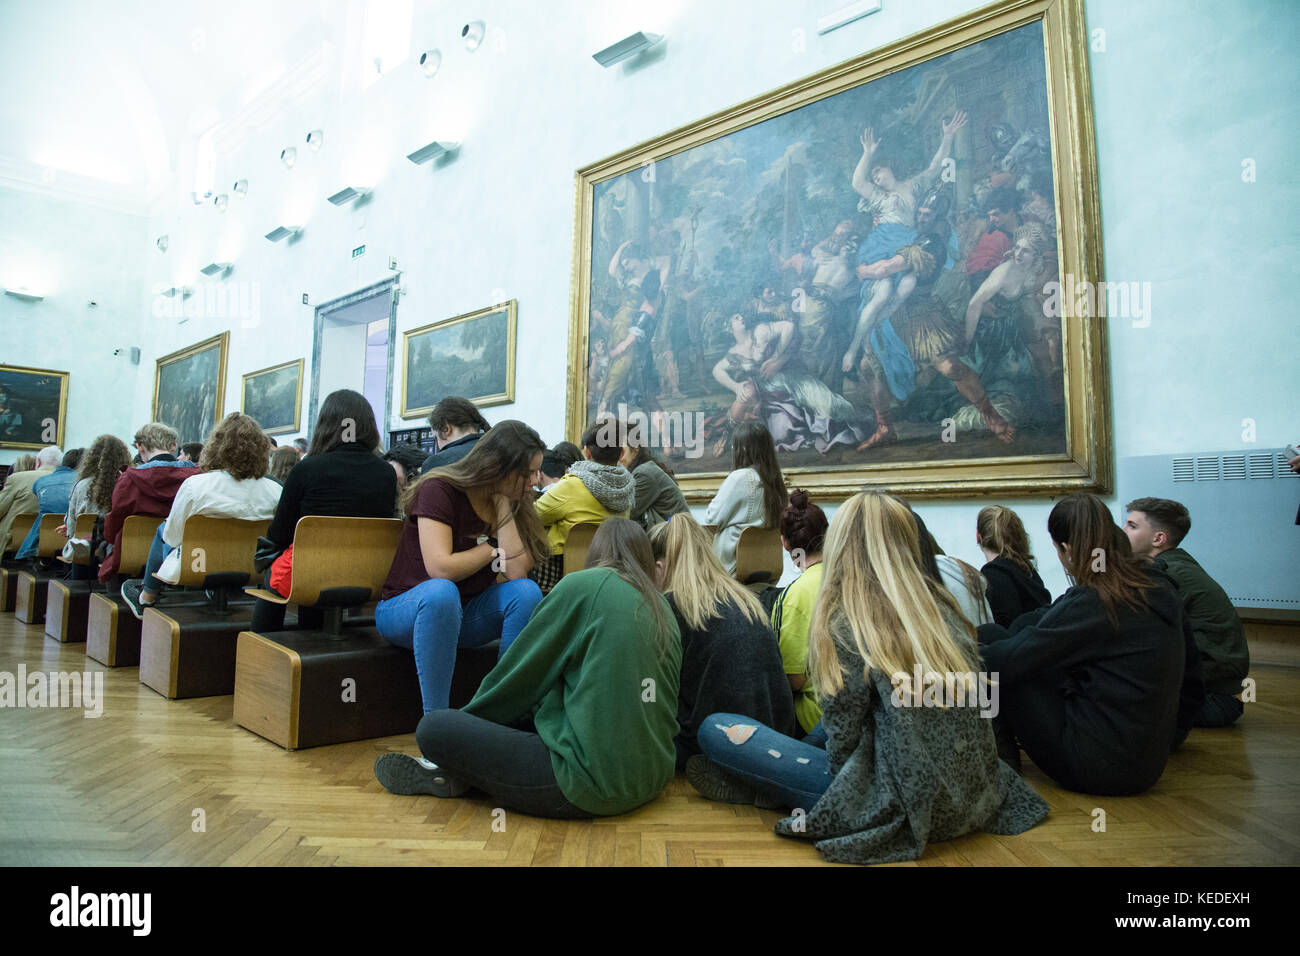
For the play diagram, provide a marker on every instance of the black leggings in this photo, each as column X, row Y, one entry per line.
column 512, row 766
column 268, row 617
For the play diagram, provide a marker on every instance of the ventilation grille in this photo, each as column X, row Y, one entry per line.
column 1261, row 466
column 1231, row 467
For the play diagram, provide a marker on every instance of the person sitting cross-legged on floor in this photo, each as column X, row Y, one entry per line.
column 897, row 772
column 577, row 719
column 1156, row 528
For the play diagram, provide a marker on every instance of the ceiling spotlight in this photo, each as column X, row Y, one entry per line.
column 199, row 198
column 430, row 60
column 240, row 188
column 280, row 232
column 435, row 149
column 626, row 48
column 347, row 194
column 221, row 202
column 472, row 34
column 161, row 243
column 316, row 139
column 289, row 156
column 212, row 268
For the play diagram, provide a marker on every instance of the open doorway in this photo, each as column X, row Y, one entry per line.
column 353, row 348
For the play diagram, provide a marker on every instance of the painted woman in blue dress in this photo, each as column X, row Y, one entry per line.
column 893, row 205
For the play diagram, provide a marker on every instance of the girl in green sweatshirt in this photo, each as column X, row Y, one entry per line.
column 578, row 717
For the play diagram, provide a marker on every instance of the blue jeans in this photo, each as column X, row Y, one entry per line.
column 157, row 555
column 429, row 620
column 797, row 778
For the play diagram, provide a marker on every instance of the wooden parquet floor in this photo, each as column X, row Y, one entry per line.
column 125, row 788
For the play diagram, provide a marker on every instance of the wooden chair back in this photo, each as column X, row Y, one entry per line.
column 137, row 536
column 50, row 542
column 18, row 530
column 577, row 544
column 759, row 556
column 345, row 556
column 82, row 528
column 219, row 546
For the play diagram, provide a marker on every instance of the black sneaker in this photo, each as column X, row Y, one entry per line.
column 400, row 774
column 715, row 783
column 131, row 597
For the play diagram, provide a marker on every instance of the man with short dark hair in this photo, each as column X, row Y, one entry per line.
column 1155, row 529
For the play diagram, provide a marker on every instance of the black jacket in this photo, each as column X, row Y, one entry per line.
column 347, row 481
column 1098, row 705
column 1012, row 591
column 733, row 666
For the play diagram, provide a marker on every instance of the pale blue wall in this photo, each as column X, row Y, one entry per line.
column 1183, row 92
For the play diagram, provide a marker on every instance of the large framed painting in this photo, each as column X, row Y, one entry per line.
column 471, row 355
column 189, row 388
column 273, row 396
column 879, row 263
column 33, row 406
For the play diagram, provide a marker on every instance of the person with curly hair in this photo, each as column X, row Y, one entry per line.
column 97, row 473
column 231, row 483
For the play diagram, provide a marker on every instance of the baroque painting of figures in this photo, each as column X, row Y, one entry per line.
column 189, row 387
column 32, row 405
column 471, row 355
column 272, row 397
column 866, row 274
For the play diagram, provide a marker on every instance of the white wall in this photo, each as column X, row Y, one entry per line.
column 74, row 253
column 1183, row 94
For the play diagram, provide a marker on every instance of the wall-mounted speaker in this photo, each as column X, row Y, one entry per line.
column 135, row 355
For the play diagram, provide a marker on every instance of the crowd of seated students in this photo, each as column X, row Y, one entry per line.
column 654, row 659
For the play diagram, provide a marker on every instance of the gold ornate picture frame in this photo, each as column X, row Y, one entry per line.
column 471, row 355
column 189, row 388
column 273, row 396
column 33, row 407
column 708, row 286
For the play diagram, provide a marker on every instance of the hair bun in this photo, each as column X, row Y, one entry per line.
column 799, row 499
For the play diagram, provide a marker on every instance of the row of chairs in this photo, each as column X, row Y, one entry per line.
column 302, row 688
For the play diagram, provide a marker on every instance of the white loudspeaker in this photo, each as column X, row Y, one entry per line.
column 135, row 355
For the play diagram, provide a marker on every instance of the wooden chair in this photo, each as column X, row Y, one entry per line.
column 759, row 556
column 67, row 608
column 112, row 631
column 309, row 688
column 10, row 566
column 188, row 650
column 32, row 592
column 577, row 544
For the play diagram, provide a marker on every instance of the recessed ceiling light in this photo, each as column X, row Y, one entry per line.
column 221, row 202
column 472, row 34
column 430, row 60
column 316, row 139
column 289, row 156
column 240, row 188
column 161, row 242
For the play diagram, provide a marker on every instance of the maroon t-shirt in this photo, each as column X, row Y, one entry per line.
column 448, row 505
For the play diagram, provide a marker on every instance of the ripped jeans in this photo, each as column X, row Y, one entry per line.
column 780, row 767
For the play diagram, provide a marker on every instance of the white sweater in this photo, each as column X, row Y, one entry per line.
column 977, row 612
column 218, row 495
column 737, row 505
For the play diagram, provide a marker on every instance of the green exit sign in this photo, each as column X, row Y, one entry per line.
column 358, row 252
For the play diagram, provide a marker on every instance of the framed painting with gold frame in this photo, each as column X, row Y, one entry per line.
column 870, row 262
column 33, row 407
column 189, row 388
column 273, row 396
column 471, row 355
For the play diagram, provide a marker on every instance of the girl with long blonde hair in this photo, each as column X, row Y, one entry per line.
column 903, row 709
column 730, row 658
